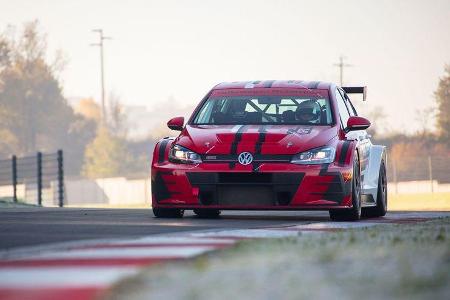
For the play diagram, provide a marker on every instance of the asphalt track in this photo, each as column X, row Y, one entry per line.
column 100, row 247
column 36, row 226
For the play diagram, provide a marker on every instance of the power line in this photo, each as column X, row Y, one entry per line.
column 102, row 69
column 341, row 65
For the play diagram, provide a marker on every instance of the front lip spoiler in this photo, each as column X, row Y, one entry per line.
column 265, row 208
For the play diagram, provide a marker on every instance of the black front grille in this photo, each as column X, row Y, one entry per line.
column 245, row 195
column 245, row 178
column 245, row 188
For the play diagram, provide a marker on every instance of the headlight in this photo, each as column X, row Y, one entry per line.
column 315, row 156
column 183, row 155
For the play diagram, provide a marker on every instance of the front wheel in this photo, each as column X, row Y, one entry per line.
column 168, row 212
column 354, row 213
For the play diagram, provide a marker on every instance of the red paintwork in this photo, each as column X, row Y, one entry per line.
column 67, row 293
column 176, row 123
column 357, row 123
column 217, row 139
column 220, row 138
column 305, row 197
column 270, row 92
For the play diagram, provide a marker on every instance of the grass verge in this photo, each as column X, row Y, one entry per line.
column 408, row 261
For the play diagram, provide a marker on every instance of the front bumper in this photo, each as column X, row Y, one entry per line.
column 275, row 186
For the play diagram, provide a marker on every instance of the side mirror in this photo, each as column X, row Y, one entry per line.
column 176, row 123
column 357, row 123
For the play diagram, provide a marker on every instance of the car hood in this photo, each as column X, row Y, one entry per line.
column 265, row 139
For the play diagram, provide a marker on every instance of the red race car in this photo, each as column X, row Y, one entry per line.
column 271, row 145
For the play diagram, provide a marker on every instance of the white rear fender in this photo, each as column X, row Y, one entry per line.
column 370, row 184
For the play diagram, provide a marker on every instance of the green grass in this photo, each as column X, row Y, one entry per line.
column 410, row 261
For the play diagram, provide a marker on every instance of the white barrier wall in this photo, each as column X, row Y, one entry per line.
column 114, row 191
column 418, row 187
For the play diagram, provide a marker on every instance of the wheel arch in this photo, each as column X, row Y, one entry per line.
column 345, row 152
column 161, row 151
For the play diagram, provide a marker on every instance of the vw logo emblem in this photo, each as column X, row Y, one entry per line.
column 245, row 158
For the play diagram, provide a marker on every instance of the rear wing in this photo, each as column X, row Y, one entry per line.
column 356, row 90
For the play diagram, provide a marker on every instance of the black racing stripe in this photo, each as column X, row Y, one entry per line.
column 237, row 139
column 268, row 83
column 343, row 153
column 261, row 138
column 324, row 169
column 313, row 84
column 162, row 150
column 234, row 145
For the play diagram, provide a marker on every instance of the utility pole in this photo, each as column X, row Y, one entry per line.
column 341, row 66
column 102, row 69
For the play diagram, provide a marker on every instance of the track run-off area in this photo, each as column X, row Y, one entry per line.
column 70, row 253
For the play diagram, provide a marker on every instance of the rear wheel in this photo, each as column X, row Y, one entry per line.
column 354, row 213
column 381, row 208
column 207, row 213
column 168, row 212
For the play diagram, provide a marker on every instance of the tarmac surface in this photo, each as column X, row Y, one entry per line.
column 32, row 226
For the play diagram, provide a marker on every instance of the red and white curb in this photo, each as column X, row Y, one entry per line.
column 85, row 269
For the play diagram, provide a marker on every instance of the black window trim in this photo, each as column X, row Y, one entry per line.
column 343, row 98
column 348, row 102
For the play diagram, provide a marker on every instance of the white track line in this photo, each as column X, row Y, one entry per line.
column 177, row 240
column 56, row 277
column 332, row 225
column 124, row 253
column 247, row 233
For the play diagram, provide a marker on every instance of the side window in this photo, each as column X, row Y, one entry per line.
column 343, row 112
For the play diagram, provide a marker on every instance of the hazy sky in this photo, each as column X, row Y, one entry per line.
column 182, row 48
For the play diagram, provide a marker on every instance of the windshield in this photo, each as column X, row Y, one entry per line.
column 238, row 109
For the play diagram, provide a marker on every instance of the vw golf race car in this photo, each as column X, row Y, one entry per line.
column 271, row 145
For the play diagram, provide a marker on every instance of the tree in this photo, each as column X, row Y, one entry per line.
column 34, row 115
column 34, row 109
column 442, row 95
column 81, row 132
column 425, row 117
column 105, row 156
column 89, row 109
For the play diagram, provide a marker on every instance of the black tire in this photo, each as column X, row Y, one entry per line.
column 381, row 208
column 207, row 213
column 168, row 212
column 354, row 213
